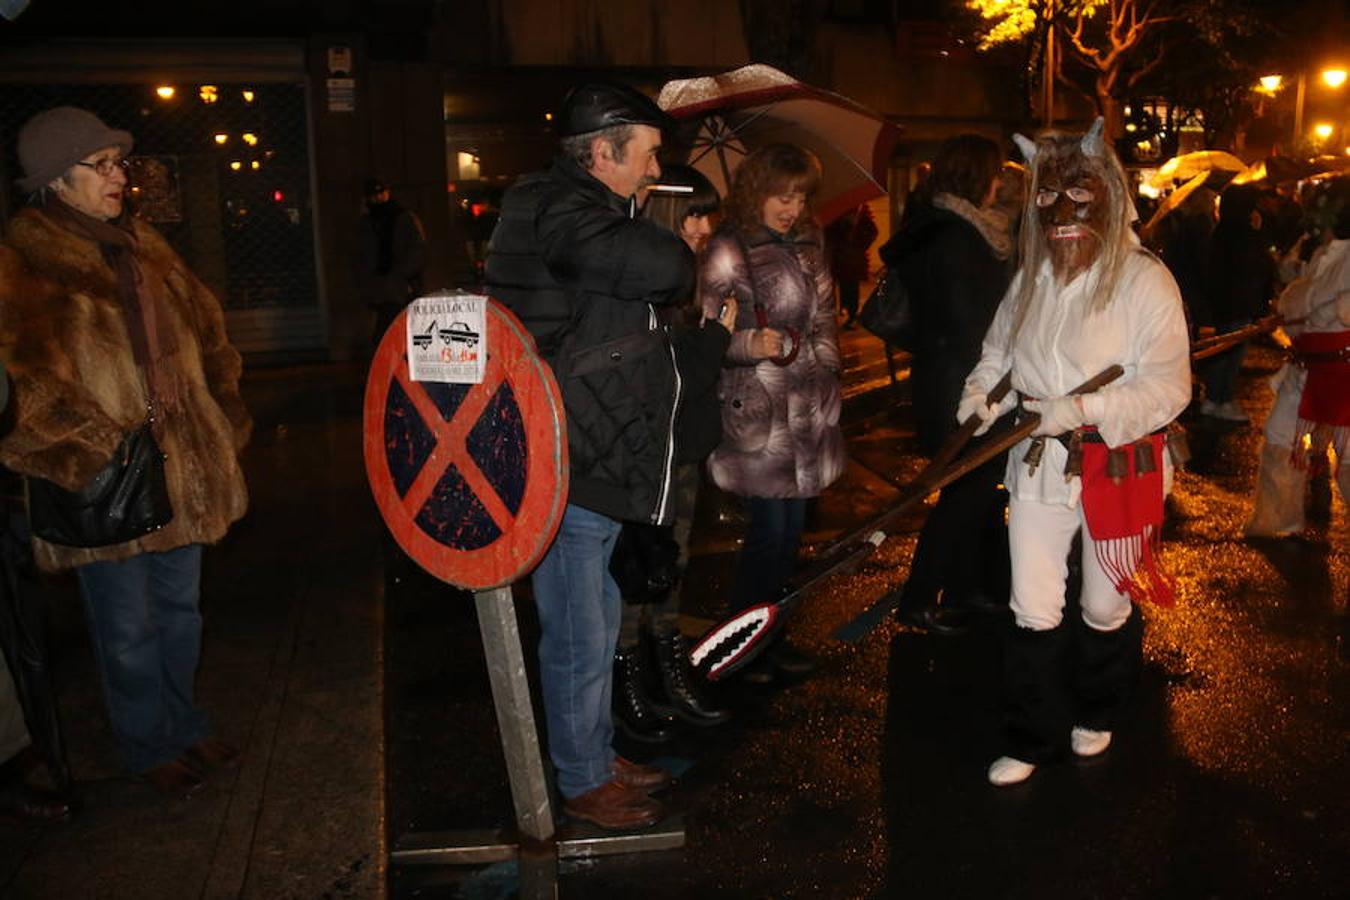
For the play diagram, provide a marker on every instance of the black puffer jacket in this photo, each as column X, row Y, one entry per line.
column 570, row 260
column 955, row 283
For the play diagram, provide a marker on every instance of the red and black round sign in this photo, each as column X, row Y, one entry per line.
column 470, row 478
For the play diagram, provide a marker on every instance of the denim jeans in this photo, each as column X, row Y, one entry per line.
column 579, row 608
column 147, row 636
column 769, row 553
column 1220, row 373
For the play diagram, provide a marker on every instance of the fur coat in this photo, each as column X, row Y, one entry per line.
column 780, row 423
column 78, row 390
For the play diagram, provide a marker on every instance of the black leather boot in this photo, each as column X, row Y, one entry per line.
column 634, row 715
column 677, row 692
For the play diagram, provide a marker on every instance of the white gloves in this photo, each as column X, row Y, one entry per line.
column 1057, row 416
column 976, row 403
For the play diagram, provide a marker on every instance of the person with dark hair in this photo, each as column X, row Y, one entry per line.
column 1239, row 284
column 780, row 392
column 571, row 259
column 953, row 257
column 1312, row 400
column 391, row 252
column 653, row 679
column 110, row 338
column 847, row 240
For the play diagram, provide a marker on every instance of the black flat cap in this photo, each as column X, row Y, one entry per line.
column 592, row 107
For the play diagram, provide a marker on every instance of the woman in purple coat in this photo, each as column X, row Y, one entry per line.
column 779, row 392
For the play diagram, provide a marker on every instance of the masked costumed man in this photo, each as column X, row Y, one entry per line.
column 1312, row 399
column 1087, row 296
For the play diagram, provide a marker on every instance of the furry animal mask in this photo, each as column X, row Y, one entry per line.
column 1078, row 210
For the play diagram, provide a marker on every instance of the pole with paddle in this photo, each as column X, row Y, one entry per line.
column 738, row 640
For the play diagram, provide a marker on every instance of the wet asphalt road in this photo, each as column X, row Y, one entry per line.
column 867, row 779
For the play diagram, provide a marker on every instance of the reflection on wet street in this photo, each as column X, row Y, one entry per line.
column 867, row 778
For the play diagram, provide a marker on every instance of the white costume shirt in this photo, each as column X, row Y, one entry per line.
column 1062, row 344
column 1323, row 295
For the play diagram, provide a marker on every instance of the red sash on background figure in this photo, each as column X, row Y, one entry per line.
column 1326, row 396
column 1125, row 519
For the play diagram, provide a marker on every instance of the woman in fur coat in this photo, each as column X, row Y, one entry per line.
column 104, row 329
column 780, row 391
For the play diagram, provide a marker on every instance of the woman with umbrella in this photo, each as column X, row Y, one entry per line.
column 780, row 392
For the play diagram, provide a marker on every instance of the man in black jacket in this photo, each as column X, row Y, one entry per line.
column 570, row 258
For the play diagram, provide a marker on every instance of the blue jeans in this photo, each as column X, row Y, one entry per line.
column 579, row 608
column 147, row 636
column 769, row 553
column 1220, row 373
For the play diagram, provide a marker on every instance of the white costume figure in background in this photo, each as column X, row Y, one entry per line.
column 1087, row 297
column 1312, row 392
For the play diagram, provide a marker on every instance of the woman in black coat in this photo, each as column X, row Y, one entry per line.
column 953, row 257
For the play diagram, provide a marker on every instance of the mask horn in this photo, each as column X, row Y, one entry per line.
column 1092, row 143
column 1027, row 146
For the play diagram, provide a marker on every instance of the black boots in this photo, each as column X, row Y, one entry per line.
column 1107, row 670
column 675, row 690
column 1036, row 708
column 634, row 715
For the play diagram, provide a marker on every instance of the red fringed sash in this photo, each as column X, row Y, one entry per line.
column 1326, row 396
column 1324, row 407
column 1125, row 521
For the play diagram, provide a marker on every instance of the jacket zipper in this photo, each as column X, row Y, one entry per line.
column 667, row 474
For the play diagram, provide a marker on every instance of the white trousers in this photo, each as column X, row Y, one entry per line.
column 1040, row 536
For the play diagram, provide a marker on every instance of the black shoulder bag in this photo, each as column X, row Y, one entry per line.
column 889, row 311
column 127, row 499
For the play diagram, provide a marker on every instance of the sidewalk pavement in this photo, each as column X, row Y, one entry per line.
column 290, row 673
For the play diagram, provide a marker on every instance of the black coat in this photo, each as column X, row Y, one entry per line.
column 582, row 274
column 955, row 283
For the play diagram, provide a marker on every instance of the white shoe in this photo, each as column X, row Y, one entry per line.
column 1006, row 771
column 1086, row 742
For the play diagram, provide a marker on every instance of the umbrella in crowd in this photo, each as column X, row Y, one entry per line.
column 729, row 115
column 1172, row 201
column 1188, row 165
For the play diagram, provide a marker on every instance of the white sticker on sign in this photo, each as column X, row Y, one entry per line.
column 447, row 338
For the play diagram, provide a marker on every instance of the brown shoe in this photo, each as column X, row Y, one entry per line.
column 209, row 754
column 640, row 777
column 614, row 806
column 174, row 778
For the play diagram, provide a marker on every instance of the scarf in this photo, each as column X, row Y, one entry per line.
column 990, row 223
column 138, row 299
column 1123, row 508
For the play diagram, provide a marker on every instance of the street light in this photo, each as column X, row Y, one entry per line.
column 1271, row 84
column 1323, row 130
column 1333, row 78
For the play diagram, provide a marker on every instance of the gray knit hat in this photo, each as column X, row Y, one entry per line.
column 53, row 141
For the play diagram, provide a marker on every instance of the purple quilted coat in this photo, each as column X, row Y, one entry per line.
column 780, row 423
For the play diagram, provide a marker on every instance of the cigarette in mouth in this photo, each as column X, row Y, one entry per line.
column 671, row 189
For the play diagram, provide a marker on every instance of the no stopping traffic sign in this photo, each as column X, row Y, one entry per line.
column 470, row 478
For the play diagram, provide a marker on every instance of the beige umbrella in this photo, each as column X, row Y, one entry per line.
column 1188, row 165
column 1171, row 202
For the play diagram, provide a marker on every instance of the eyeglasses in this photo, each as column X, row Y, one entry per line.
column 105, row 167
column 1047, row 197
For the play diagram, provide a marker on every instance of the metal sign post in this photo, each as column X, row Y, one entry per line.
column 472, row 482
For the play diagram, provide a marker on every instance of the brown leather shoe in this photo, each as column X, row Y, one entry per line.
column 22, row 805
column 638, row 776
column 174, row 778
column 615, row 806
column 209, row 754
